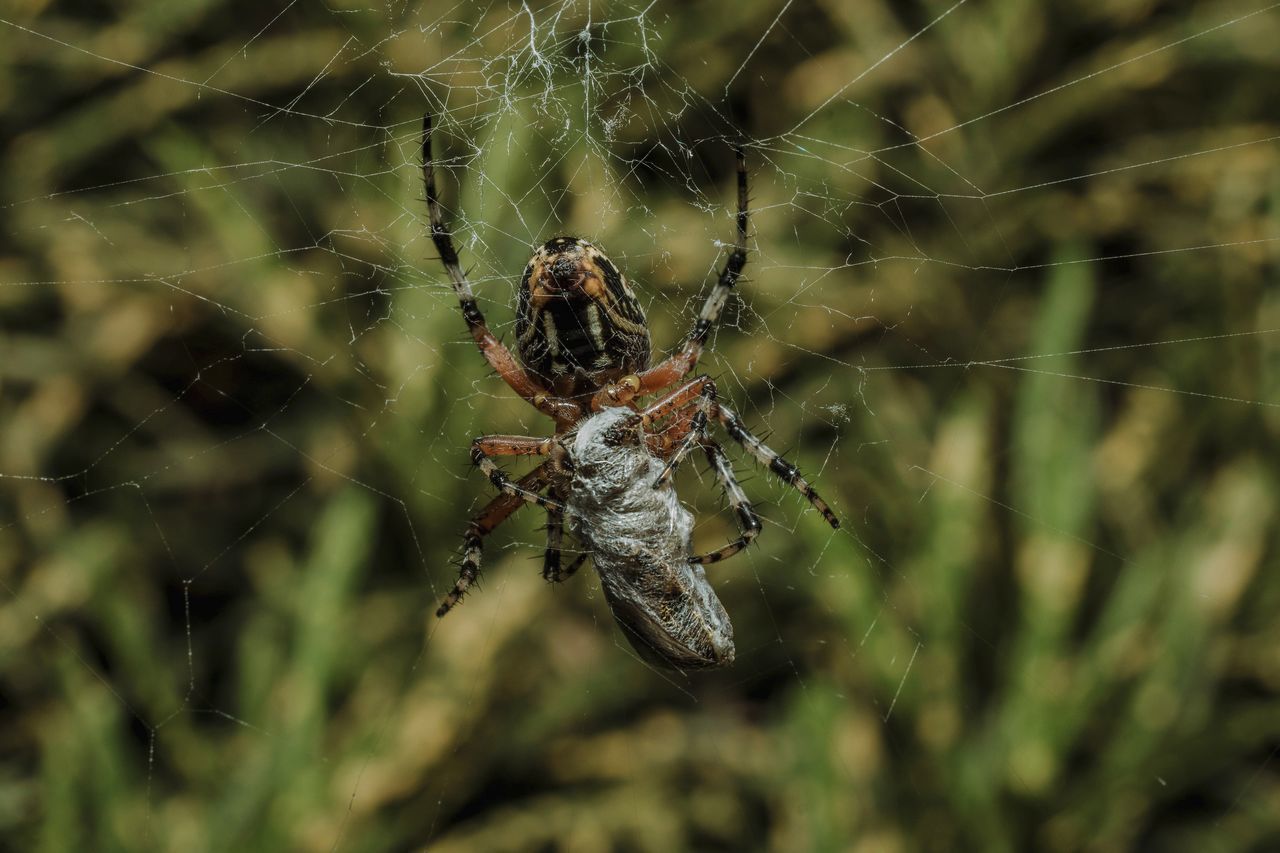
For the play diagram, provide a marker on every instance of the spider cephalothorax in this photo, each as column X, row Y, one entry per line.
column 584, row 345
column 578, row 323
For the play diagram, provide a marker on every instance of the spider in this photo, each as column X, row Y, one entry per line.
column 584, row 354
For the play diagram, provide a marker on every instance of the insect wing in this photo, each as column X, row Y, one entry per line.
column 670, row 614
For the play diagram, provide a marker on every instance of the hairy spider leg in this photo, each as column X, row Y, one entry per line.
column 780, row 467
column 523, row 445
column 748, row 521
column 575, row 565
column 670, row 402
column 682, row 363
column 498, row 356
column 700, row 396
column 511, row 445
column 661, row 442
column 481, row 525
column 555, row 540
column 664, row 442
column 551, row 569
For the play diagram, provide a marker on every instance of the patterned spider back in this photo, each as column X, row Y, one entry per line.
column 578, row 323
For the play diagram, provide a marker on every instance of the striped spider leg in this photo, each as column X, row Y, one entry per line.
column 498, row 356
column 683, row 361
column 551, row 562
column 514, row 495
column 694, row 404
column 498, row 510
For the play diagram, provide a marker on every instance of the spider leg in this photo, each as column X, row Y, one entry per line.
column 662, row 442
column 670, row 402
column 511, row 445
column 704, row 403
column 514, row 445
column 682, row 363
column 498, row 356
column 555, row 539
column 551, row 569
column 780, row 467
column 575, row 565
column 748, row 521
column 481, row 525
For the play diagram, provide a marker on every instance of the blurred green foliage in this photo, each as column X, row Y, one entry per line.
column 1012, row 305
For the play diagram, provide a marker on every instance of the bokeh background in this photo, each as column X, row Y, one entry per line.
column 1012, row 305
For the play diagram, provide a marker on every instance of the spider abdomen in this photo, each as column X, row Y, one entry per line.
column 639, row 538
column 577, row 315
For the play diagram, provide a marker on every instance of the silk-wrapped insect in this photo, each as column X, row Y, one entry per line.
column 639, row 537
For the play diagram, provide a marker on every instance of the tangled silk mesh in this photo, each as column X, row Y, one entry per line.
column 639, row 538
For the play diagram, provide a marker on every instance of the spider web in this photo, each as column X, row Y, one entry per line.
column 1010, row 306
